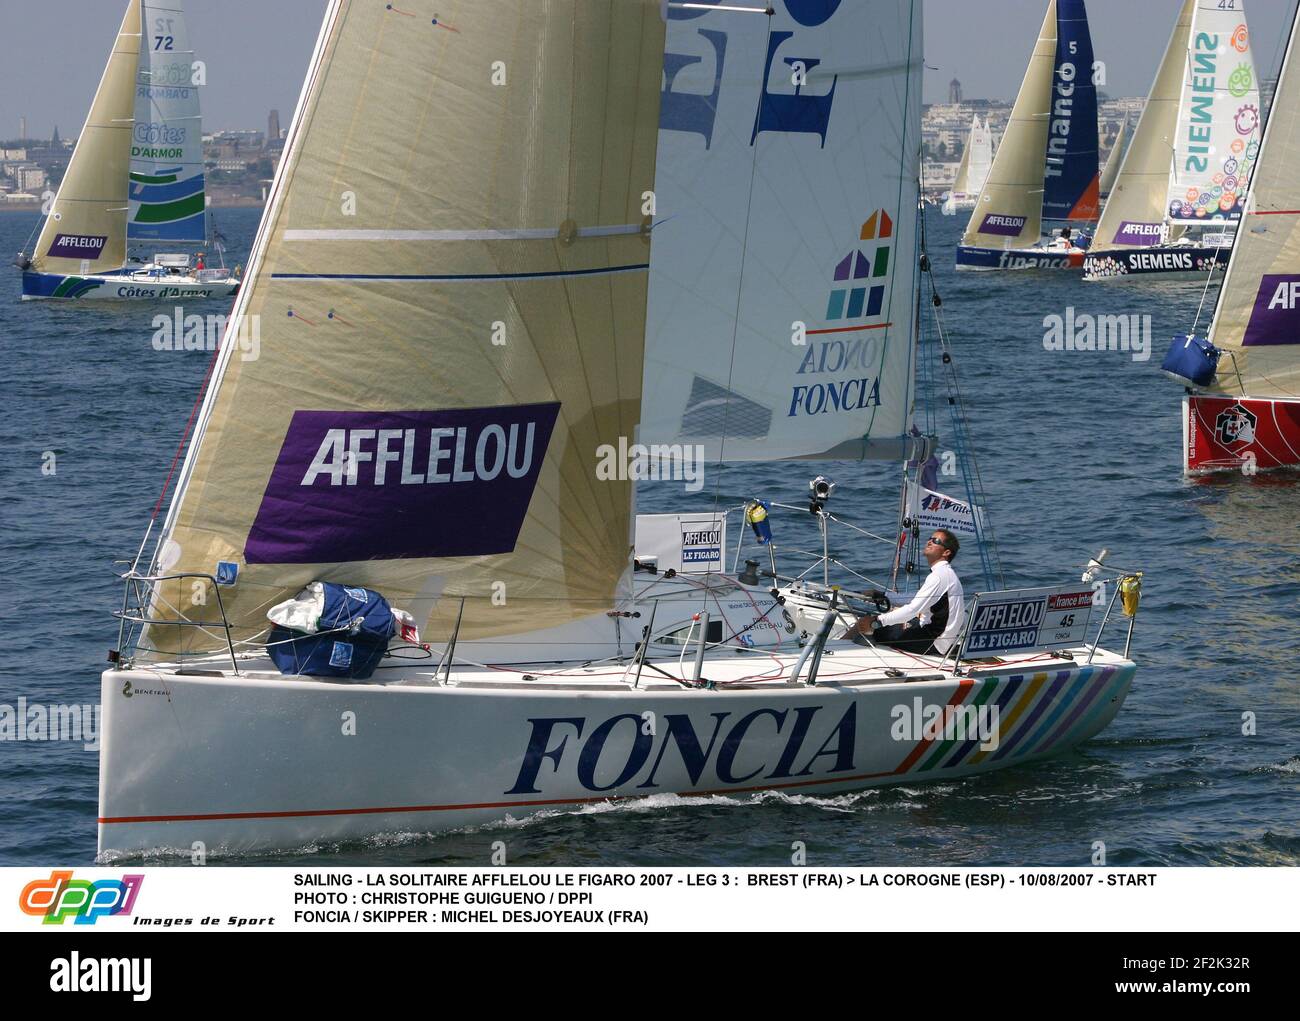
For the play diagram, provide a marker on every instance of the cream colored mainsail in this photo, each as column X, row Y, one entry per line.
column 86, row 229
column 1013, row 194
column 1257, row 322
column 963, row 168
column 451, row 286
column 1137, row 202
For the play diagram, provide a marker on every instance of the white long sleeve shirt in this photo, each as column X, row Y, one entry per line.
column 942, row 581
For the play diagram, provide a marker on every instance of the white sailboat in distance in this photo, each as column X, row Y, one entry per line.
column 136, row 178
column 414, row 474
column 976, row 159
column 1181, row 189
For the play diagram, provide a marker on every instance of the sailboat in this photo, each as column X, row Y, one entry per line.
column 136, row 177
column 976, row 159
column 1044, row 177
column 1110, row 172
column 1242, row 408
column 605, row 238
column 1182, row 186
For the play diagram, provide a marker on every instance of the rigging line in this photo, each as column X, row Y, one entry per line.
column 735, row 322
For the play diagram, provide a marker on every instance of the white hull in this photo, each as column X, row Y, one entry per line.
column 129, row 287
column 262, row 762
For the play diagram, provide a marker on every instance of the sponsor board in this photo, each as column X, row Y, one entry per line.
column 1024, row 620
column 77, row 246
column 686, row 543
column 931, row 510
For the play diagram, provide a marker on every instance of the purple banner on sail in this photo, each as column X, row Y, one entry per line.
column 77, row 246
column 1007, row 226
column 1276, row 316
column 387, row 485
column 1136, row 232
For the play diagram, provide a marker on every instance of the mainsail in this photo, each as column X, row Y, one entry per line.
column 86, row 229
column 1134, row 213
column 1071, row 177
column 1010, row 210
column 1257, row 321
column 167, row 196
column 451, row 284
column 783, row 271
column 1217, row 138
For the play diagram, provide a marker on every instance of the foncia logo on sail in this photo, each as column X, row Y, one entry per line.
column 373, row 485
column 847, row 347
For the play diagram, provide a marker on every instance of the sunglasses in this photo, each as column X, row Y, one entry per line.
column 937, row 542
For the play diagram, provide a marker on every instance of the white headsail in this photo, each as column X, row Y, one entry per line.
column 167, row 192
column 1217, row 138
column 783, row 270
column 1257, row 321
column 451, row 284
column 976, row 158
column 86, row 229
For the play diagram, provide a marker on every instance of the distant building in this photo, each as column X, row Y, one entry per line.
column 954, row 91
column 54, row 142
column 273, row 127
column 30, row 178
column 22, row 129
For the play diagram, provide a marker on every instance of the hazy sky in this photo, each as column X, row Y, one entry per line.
column 52, row 52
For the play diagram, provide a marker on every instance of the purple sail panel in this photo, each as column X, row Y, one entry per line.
column 77, row 246
column 1136, row 232
column 390, row 485
column 1007, row 226
column 1276, row 316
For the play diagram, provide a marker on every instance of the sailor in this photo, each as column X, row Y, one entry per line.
column 200, row 265
column 931, row 623
column 1062, row 240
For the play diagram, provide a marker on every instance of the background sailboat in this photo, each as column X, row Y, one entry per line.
column 976, row 159
column 1182, row 186
column 1045, row 174
column 135, row 177
column 1245, row 414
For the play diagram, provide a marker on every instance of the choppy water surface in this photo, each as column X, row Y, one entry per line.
column 1079, row 450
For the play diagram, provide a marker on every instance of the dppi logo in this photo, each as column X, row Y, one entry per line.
column 61, row 897
column 685, row 109
column 1235, row 425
